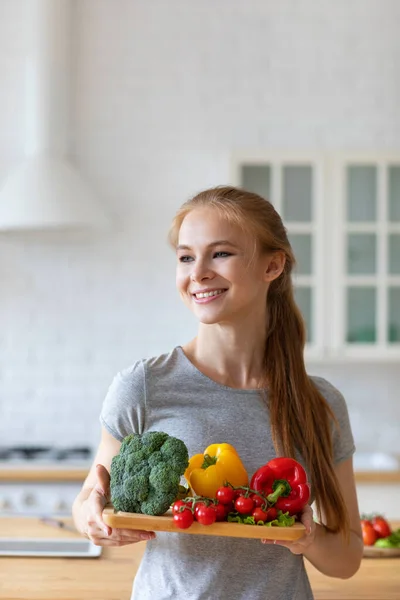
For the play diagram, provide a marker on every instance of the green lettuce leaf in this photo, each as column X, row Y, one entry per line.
column 283, row 520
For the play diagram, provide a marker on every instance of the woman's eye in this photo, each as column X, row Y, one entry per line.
column 185, row 259
column 222, row 254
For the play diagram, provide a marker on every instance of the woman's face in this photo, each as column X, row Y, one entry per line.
column 213, row 275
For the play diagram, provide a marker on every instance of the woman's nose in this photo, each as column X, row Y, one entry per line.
column 200, row 272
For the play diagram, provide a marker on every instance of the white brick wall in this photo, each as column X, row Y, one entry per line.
column 164, row 93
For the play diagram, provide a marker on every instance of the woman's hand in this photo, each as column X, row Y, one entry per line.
column 300, row 545
column 94, row 527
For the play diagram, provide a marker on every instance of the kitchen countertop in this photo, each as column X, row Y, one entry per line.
column 377, row 476
column 110, row 577
column 59, row 473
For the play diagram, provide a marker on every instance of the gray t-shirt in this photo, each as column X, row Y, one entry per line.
column 168, row 393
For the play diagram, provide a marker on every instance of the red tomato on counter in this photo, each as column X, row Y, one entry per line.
column 381, row 526
column 368, row 532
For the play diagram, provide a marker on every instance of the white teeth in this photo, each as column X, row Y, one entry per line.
column 208, row 294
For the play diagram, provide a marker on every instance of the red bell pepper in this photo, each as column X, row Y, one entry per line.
column 284, row 482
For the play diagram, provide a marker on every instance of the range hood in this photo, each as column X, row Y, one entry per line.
column 47, row 190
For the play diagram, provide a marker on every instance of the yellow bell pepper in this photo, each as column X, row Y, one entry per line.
column 220, row 463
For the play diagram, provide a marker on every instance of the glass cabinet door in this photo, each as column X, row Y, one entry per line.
column 361, row 314
column 394, row 315
column 393, row 295
column 297, row 193
column 294, row 188
column 371, row 254
column 256, row 179
column 394, row 193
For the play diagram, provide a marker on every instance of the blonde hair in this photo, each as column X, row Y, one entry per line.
column 300, row 416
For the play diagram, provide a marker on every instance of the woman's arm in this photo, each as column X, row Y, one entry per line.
column 329, row 552
column 96, row 483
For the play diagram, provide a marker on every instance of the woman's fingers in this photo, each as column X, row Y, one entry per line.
column 118, row 537
column 298, row 546
column 98, row 504
column 103, row 480
column 307, row 518
column 99, row 498
column 135, row 532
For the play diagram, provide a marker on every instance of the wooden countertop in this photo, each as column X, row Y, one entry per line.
column 110, row 577
column 42, row 474
column 377, row 476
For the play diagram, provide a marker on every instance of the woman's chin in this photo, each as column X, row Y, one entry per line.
column 207, row 319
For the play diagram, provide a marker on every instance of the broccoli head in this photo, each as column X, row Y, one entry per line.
column 145, row 475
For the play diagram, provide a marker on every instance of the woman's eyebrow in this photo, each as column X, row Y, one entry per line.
column 218, row 243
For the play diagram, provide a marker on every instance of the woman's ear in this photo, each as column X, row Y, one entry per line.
column 275, row 266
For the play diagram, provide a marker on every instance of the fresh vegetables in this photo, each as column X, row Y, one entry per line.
column 145, row 478
column 390, row 541
column 376, row 531
column 368, row 533
column 284, row 482
column 183, row 518
column 282, row 520
column 381, row 526
column 206, row 510
column 244, row 505
column 209, row 471
column 145, row 475
column 206, row 515
column 225, row 494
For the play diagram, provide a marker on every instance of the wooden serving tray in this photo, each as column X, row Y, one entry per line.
column 376, row 552
column 222, row 528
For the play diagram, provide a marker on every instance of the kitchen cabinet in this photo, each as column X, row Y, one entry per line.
column 342, row 214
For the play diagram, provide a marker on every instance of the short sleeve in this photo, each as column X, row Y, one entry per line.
column 124, row 407
column 342, row 435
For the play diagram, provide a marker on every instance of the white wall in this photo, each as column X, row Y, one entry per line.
column 164, row 93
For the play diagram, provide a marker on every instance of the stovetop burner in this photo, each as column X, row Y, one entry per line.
column 45, row 454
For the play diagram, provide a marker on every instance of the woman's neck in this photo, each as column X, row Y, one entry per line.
column 229, row 356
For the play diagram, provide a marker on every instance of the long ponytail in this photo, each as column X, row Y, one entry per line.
column 300, row 416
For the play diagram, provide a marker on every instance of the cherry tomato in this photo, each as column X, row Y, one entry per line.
column 259, row 514
column 381, row 526
column 220, row 510
column 184, row 519
column 257, row 500
column 177, row 505
column 229, row 507
column 272, row 513
column 368, row 533
column 206, row 515
column 225, row 494
column 197, row 507
column 237, row 493
column 244, row 505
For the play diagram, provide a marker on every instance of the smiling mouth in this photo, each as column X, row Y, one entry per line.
column 208, row 295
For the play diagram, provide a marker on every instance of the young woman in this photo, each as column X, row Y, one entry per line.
column 242, row 380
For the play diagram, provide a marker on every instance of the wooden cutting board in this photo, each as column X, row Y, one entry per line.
column 127, row 520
